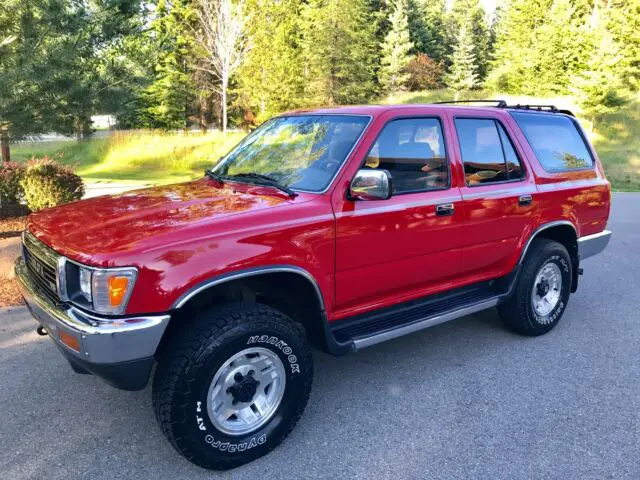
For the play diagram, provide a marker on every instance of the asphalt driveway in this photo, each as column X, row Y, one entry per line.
column 465, row 399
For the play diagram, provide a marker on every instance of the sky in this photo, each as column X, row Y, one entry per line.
column 489, row 5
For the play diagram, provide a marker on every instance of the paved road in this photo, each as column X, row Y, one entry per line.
column 462, row 400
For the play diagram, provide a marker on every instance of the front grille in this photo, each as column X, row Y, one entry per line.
column 42, row 264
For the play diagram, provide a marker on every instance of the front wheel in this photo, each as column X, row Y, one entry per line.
column 542, row 291
column 232, row 384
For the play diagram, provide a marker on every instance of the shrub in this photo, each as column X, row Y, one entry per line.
column 10, row 190
column 424, row 73
column 10, row 176
column 46, row 184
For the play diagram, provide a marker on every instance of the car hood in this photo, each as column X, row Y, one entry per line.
column 94, row 231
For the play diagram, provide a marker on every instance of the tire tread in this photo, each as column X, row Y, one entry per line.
column 208, row 331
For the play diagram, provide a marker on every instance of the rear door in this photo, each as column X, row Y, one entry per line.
column 498, row 194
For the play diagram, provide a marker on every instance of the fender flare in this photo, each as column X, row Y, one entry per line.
column 542, row 228
column 245, row 273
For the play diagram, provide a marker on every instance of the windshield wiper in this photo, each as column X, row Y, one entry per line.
column 213, row 175
column 266, row 180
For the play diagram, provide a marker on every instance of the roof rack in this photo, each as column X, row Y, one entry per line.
column 503, row 104
column 541, row 108
column 499, row 103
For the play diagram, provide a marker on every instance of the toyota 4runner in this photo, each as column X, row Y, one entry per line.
column 340, row 228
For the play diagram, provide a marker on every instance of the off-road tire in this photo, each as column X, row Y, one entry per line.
column 518, row 313
column 189, row 363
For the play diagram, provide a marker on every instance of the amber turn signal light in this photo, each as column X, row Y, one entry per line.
column 69, row 340
column 117, row 290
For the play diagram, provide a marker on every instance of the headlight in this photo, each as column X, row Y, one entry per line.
column 85, row 283
column 103, row 290
column 111, row 289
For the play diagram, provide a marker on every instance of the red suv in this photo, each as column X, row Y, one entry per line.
column 339, row 228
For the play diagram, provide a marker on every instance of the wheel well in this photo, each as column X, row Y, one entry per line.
column 565, row 235
column 290, row 292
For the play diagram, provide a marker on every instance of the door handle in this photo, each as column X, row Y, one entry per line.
column 445, row 209
column 525, row 200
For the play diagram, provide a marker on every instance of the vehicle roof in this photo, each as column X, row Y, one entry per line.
column 376, row 110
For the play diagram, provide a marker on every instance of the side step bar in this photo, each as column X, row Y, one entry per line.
column 363, row 342
column 370, row 329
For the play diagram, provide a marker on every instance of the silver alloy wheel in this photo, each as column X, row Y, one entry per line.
column 547, row 287
column 246, row 391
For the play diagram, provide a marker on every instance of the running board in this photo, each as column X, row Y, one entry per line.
column 370, row 329
column 364, row 342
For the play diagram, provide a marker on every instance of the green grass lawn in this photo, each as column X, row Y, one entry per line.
column 136, row 156
column 158, row 157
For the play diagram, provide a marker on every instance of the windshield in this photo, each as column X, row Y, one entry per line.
column 302, row 152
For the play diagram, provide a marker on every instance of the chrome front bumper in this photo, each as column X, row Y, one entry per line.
column 104, row 343
column 591, row 245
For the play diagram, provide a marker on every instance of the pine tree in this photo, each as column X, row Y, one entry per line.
column 395, row 50
column 558, row 49
column 168, row 99
column 623, row 21
column 514, row 70
column 418, row 33
column 470, row 14
column 339, row 52
column 463, row 75
column 597, row 86
column 55, row 70
column 271, row 79
column 480, row 37
column 435, row 39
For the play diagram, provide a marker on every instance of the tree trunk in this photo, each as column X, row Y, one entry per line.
column 83, row 126
column 224, row 105
column 6, row 152
column 203, row 114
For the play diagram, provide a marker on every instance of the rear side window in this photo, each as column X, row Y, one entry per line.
column 487, row 152
column 555, row 140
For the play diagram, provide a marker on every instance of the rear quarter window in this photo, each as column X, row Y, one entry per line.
column 555, row 140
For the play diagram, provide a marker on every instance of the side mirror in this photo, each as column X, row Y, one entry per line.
column 370, row 185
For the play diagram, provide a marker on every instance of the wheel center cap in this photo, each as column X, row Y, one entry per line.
column 244, row 390
column 543, row 287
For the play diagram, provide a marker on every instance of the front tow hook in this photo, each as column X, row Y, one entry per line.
column 42, row 331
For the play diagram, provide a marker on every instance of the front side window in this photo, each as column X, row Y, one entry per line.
column 555, row 140
column 487, row 152
column 301, row 152
column 412, row 150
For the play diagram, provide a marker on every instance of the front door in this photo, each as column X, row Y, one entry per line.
column 388, row 251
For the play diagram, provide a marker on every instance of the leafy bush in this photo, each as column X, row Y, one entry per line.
column 10, row 190
column 46, row 184
column 424, row 73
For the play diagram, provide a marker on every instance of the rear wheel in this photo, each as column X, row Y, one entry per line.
column 542, row 291
column 232, row 384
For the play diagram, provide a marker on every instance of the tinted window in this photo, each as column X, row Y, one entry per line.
column 303, row 152
column 514, row 168
column 412, row 150
column 555, row 141
column 487, row 152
